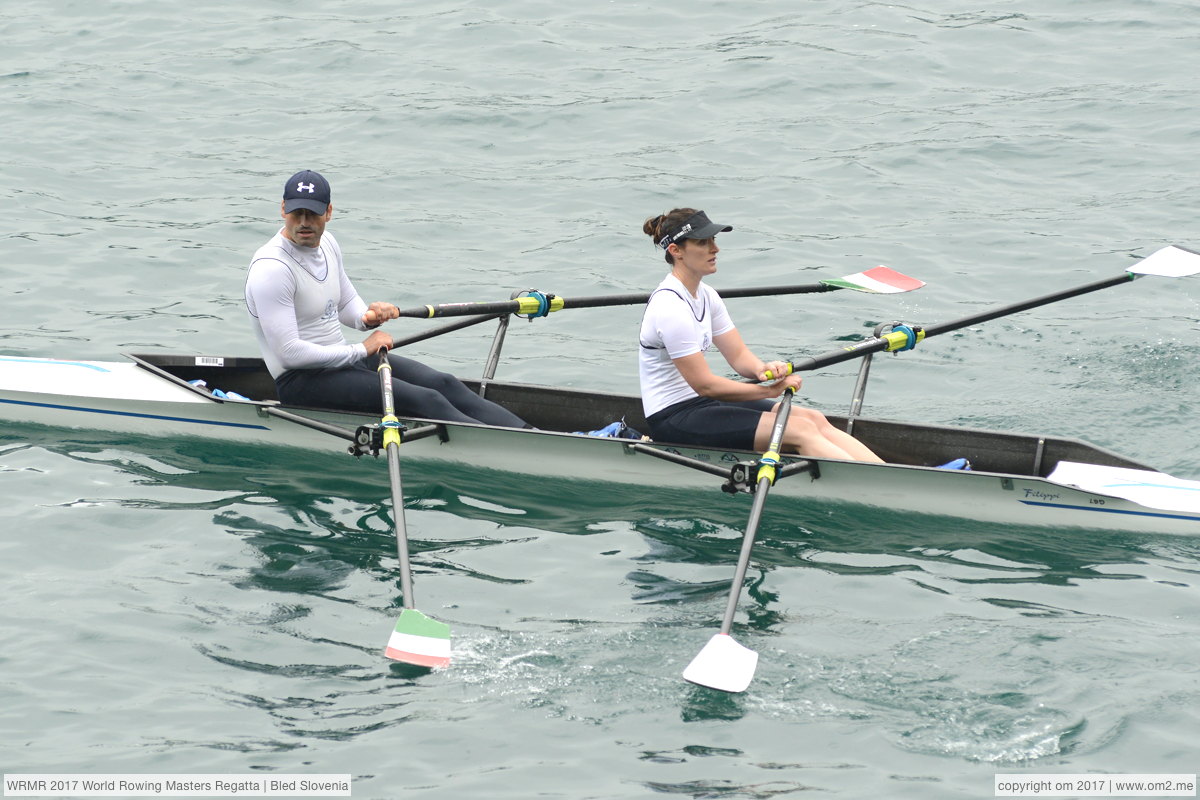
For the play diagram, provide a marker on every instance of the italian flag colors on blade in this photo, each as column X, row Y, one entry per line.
column 879, row 280
column 419, row 640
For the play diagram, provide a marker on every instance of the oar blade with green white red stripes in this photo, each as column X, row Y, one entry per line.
column 416, row 639
column 419, row 640
column 878, row 280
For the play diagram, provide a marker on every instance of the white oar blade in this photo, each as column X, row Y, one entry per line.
column 878, row 280
column 1169, row 262
column 419, row 640
column 723, row 664
column 1144, row 487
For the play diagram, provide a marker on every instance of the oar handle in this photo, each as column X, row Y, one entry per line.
column 771, row 375
column 385, row 384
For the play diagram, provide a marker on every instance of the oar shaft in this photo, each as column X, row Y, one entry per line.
column 878, row 343
column 406, row 581
column 1015, row 308
column 523, row 305
column 743, row 563
column 392, row 446
column 771, row 291
column 438, row 331
column 746, row 291
column 766, row 478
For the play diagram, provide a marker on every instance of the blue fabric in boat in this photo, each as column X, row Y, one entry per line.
column 958, row 463
column 613, row 430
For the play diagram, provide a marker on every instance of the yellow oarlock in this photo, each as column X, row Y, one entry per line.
column 904, row 338
column 531, row 304
column 766, row 466
column 391, row 431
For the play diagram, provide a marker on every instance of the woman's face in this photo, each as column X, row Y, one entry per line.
column 698, row 256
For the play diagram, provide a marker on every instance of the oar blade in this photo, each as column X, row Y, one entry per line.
column 878, row 280
column 1169, row 262
column 723, row 664
column 419, row 640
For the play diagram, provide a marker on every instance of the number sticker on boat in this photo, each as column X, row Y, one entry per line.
column 210, row 361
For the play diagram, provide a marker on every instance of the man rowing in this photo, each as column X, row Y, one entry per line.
column 299, row 297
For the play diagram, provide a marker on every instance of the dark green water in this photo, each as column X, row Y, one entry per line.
column 193, row 608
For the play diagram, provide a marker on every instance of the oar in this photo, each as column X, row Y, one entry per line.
column 1169, row 262
column 878, row 280
column 417, row 639
column 723, row 663
column 398, row 342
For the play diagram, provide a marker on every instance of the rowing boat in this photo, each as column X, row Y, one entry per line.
column 1015, row 479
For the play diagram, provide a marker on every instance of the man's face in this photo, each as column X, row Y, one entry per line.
column 304, row 227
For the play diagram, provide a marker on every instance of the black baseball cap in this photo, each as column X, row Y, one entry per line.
column 308, row 190
column 697, row 226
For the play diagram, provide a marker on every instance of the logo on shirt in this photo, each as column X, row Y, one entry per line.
column 311, row 188
column 330, row 310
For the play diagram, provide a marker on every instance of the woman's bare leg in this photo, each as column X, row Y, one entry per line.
column 857, row 450
column 809, row 433
column 801, row 436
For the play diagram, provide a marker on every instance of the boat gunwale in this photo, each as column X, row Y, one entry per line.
column 160, row 364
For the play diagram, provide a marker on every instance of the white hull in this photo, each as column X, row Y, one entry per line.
column 128, row 398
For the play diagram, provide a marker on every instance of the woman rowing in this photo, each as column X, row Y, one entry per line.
column 684, row 400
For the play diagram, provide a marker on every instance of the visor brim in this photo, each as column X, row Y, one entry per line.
column 315, row 206
column 707, row 232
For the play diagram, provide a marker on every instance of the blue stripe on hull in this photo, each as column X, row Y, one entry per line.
column 55, row 362
column 1159, row 514
column 139, row 416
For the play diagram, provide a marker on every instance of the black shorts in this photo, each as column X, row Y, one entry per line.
column 709, row 423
